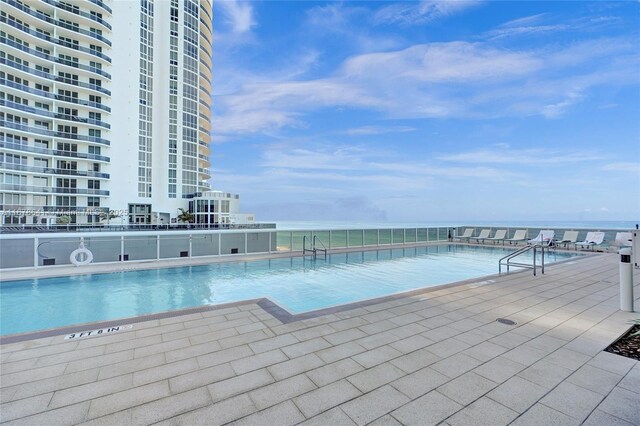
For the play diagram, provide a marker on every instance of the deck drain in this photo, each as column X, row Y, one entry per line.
column 506, row 321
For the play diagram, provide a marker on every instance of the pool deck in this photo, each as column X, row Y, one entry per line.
column 438, row 357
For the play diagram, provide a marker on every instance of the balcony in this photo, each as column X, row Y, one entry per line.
column 51, row 133
column 55, row 22
column 52, row 190
column 72, row 154
column 52, row 171
column 45, row 113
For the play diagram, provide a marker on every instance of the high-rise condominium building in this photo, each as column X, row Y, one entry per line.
column 104, row 105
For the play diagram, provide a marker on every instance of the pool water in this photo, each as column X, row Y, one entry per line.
column 297, row 284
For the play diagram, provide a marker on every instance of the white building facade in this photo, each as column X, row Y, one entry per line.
column 104, row 106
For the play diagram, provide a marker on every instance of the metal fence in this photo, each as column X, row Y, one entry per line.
column 49, row 249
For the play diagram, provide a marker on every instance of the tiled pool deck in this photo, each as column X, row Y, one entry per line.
column 434, row 358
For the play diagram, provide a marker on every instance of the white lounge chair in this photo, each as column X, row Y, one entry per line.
column 466, row 235
column 520, row 235
column 498, row 236
column 569, row 237
column 623, row 239
column 591, row 240
column 545, row 238
column 484, row 234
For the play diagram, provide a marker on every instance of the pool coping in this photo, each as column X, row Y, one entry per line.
column 268, row 305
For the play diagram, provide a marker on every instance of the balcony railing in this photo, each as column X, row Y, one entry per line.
column 51, row 77
column 54, row 171
column 22, row 87
column 45, row 113
column 73, row 154
column 48, row 19
column 68, row 8
column 57, row 41
column 52, row 190
column 63, row 135
column 50, row 58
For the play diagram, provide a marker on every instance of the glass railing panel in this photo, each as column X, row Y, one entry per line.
column 397, row 236
column 338, row 239
column 370, row 237
column 385, row 236
column 443, row 234
column 410, row 235
column 322, row 239
column 422, row 234
column 355, row 237
column 298, row 238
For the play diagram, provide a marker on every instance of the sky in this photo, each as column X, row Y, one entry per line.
column 428, row 111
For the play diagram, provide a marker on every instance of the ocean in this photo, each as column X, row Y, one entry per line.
column 317, row 225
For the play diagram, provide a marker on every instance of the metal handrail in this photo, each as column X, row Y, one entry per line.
column 304, row 247
column 315, row 249
column 506, row 260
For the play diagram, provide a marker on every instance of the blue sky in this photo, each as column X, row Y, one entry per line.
column 428, row 111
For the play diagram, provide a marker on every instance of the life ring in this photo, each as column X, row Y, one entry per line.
column 81, row 256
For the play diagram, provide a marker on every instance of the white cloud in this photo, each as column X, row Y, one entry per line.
column 421, row 12
column 625, row 167
column 238, row 14
column 452, row 79
column 378, row 130
column 522, row 157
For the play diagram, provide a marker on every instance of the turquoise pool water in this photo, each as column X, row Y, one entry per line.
column 296, row 284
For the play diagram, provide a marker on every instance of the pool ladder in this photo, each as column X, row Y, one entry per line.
column 508, row 259
column 314, row 249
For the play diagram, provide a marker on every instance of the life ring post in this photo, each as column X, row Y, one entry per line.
column 82, row 255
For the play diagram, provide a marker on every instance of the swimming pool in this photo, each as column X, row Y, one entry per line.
column 297, row 284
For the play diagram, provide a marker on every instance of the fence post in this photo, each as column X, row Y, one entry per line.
column 35, row 253
column 122, row 248
column 157, row 247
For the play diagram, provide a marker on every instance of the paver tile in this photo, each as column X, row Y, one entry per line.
column 326, row 397
column 344, row 350
column 170, row 406
column 485, row 351
column 420, row 382
column 25, row 407
column 632, row 380
column 306, row 347
column 455, row 365
column 572, row 400
column 68, row 415
column 623, row 404
column 376, row 356
column 595, row 379
column 518, row 394
column 281, row 391
column 372, row 405
column 484, row 411
column 499, row 369
column 239, row 384
column 467, row 388
column 429, row 409
column 255, row 362
column 545, row 374
column 567, row 358
column 130, row 398
column 295, row 366
column 614, row 363
column 334, row 417
column 334, row 371
column 539, row 415
column 448, row 347
column 411, row 344
column 217, row 414
column 375, row 377
column 415, row 360
column 201, row 377
column 283, row 414
column 599, row 418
